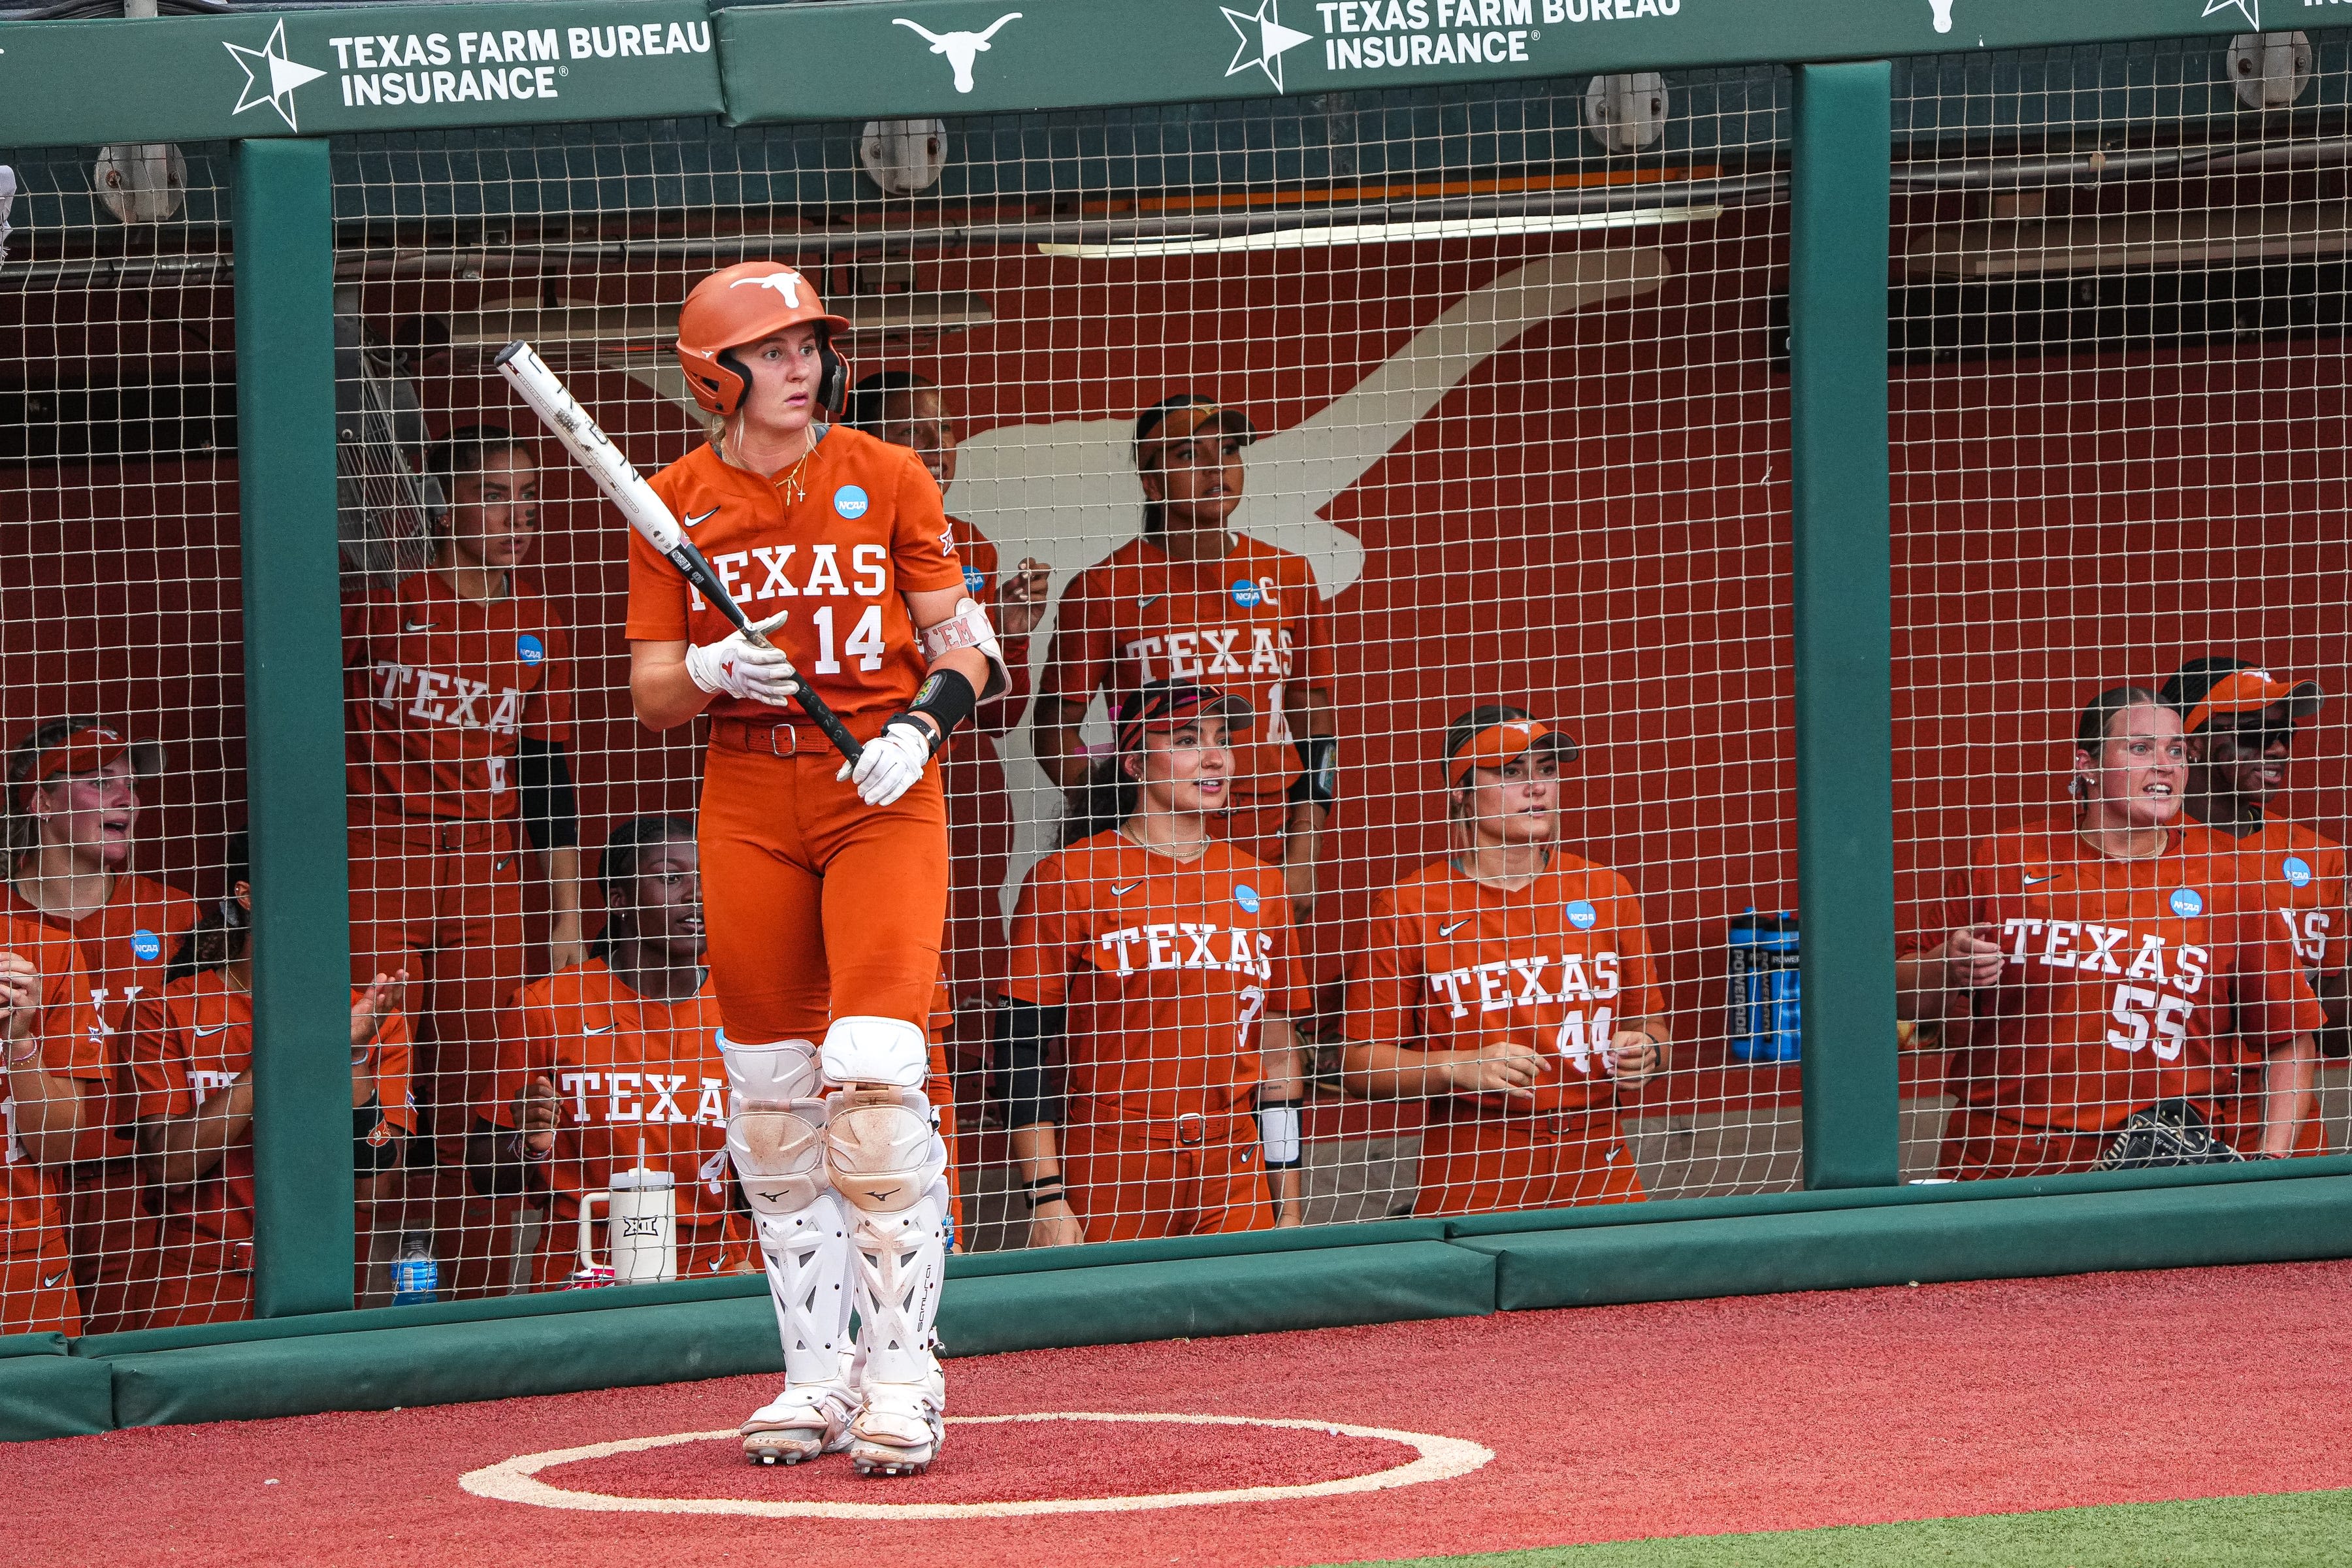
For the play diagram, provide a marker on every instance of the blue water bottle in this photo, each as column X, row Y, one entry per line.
column 1763, row 1010
column 415, row 1273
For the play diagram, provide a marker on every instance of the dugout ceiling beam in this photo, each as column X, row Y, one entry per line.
column 1843, row 639
column 403, row 67
column 302, row 1183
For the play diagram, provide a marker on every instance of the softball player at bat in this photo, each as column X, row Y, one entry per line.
column 614, row 1062
column 55, row 1074
column 2241, row 723
column 2099, row 968
column 825, row 882
column 1190, row 600
column 1151, row 962
column 1511, row 984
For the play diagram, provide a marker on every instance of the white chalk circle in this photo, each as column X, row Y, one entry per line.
column 1435, row 1460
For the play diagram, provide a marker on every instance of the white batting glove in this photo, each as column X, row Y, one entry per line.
column 735, row 665
column 890, row 763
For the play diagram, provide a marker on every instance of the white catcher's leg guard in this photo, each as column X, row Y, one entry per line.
column 889, row 1053
column 889, row 1165
column 775, row 1130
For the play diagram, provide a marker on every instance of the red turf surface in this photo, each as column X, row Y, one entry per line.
column 1772, row 1412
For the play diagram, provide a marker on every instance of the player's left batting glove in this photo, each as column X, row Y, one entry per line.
column 890, row 763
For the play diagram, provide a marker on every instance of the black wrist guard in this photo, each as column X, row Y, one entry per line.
column 1024, row 1031
column 375, row 1142
column 1320, row 783
column 947, row 700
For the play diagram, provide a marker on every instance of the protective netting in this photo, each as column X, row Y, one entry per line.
column 1489, row 413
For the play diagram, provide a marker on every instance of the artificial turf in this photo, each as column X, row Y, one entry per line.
column 2279, row 1531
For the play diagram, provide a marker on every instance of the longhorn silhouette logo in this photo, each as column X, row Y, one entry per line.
column 960, row 48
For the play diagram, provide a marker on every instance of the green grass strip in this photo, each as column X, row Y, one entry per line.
column 2282, row 1530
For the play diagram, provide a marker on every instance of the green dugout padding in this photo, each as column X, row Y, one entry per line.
column 54, row 1397
column 2161, row 1227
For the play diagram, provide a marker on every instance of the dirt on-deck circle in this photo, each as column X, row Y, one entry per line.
column 1436, row 1458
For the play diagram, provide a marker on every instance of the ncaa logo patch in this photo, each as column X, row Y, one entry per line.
column 1247, row 594
column 146, row 946
column 975, row 581
column 850, row 501
column 2187, row 902
column 1582, row 915
column 1247, row 897
column 529, row 649
column 2297, row 873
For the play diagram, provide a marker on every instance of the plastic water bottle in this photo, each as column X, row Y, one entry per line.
column 1764, row 1011
column 415, row 1273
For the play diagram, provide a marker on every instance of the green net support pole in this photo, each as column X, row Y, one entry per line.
column 1845, row 786
column 294, row 726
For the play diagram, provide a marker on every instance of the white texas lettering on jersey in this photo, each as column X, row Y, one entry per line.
column 2090, row 948
column 1188, row 945
column 1538, row 982
column 436, row 697
column 1210, row 652
column 645, row 1097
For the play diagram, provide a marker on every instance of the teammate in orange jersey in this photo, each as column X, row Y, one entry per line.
column 2095, row 968
column 614, row 1062
column 73, row 819
column 1512, row 984
column 458, row 697
column 1190, row 600
column 909, row 410
column 826, row 883
column 55, row 1071
column 1151, row 965
column 2241, row 723
column 192, row 1070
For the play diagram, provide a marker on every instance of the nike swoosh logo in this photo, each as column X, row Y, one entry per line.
column 2037, row 881
column 205, row 1034
column 605, row 1030
column 1147, row 603
column 1118, row 892
column 698, row 519
column 1449, row 930
column 418, row 625
column 51, row 1282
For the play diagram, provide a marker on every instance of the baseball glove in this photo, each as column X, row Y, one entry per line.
column 2169, row 1132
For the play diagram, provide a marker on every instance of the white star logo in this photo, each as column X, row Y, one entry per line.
column 1262, row 30
column 284, row 76
column 2251, row 10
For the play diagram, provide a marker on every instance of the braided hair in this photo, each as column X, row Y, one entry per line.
column 625, row 849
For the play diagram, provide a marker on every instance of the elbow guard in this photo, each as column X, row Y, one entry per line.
column 1278, row 1129
column 1318, row 781
column 969, row 627
column 1033, row 1090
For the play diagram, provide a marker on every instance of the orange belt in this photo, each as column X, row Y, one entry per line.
column 765, row 737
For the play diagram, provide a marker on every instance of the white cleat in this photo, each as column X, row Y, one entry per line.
column 900, row 1429
column 800, row 1424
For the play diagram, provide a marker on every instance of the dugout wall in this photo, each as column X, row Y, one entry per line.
column 1627, row 438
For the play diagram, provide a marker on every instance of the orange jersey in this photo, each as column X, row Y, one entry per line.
column 71, row 1046
column 1451, row 964
column 1247, row 625
column 980, row 580
column 2123, row 981
column 1166, row 968
column 437, row 690
column 2298, row 875
column 628, row 1072
column 836, row 565
column 196, row 1039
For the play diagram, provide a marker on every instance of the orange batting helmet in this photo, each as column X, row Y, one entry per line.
column 742, row 304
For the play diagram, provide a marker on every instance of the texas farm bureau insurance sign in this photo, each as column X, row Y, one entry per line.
column 981, row 56
column 360, row 68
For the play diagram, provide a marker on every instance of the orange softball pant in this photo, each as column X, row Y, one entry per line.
column 203, row 1280
column 1980, row 1146
column 1201, row 1175
column 980, row 845
column 36, row 1289
column 1527, row 1160
column 817, row 905
column 113, row 1238
column 444, row 901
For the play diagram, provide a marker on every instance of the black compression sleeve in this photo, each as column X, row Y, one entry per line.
column 550, row 813
column 948, row 699
column 1024, row 1032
